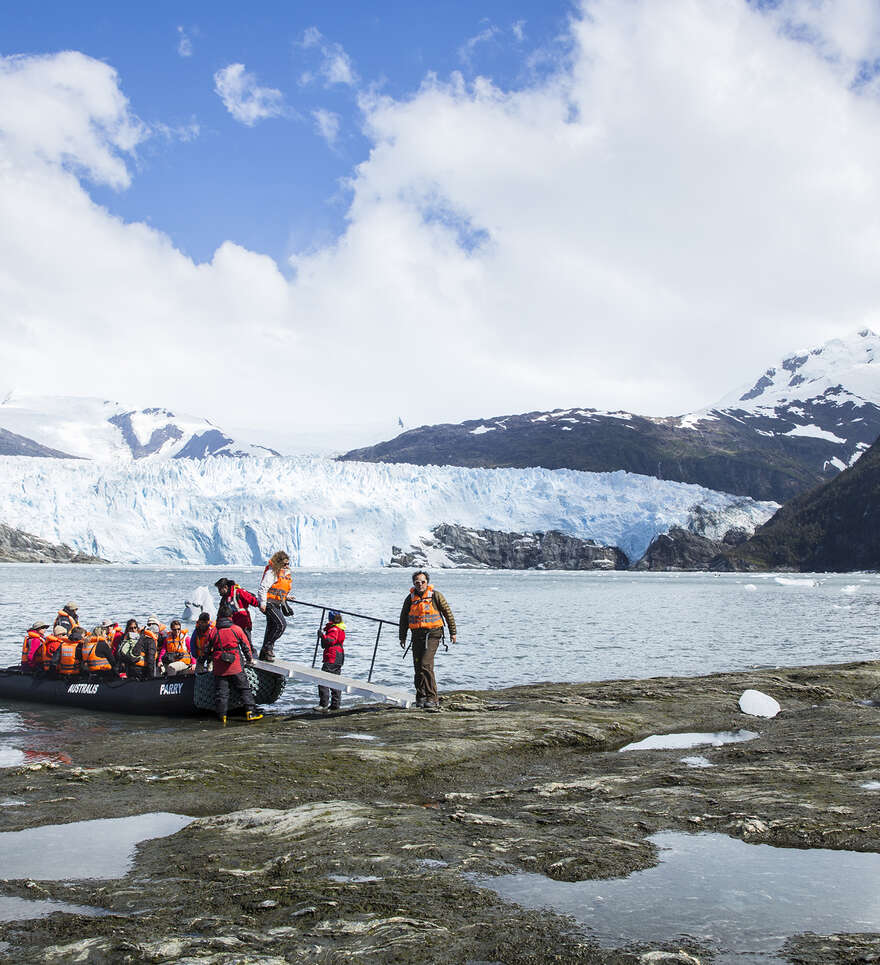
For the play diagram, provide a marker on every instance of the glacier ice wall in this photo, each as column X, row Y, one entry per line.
column 331, row 514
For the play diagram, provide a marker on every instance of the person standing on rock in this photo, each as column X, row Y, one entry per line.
column 423, row 613
column 274, row 591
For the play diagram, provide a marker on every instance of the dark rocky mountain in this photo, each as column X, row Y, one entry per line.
column 800, row 423
column 12, row 444
column 460, row 546
column 833, row 528
column 680, row 549
column 16, row 546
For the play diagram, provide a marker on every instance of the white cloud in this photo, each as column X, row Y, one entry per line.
column 242, row 96
column 327, row 125
column 67, row 109
column 184, row 43
column 518, row 29
column 485, row 36
column 335, row 67
column 693, row 192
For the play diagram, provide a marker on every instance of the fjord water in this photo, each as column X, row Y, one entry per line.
column 515, row 627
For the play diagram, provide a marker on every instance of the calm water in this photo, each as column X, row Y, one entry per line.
column 514, row 627
column 743, row 900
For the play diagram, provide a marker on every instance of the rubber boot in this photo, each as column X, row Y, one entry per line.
column 252, row 715
column 267, row 655
column 223, row 720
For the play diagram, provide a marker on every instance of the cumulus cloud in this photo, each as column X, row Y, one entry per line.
column 335, row 66
column 243, row 97
column 692, row 192
column 327, row 125
column 67, row 109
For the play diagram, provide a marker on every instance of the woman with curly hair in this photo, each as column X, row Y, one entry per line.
column 274, row 591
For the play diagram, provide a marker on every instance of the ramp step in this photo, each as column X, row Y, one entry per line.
column 348, row 685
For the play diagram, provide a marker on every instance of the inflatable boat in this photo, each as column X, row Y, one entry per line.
column 165, row 696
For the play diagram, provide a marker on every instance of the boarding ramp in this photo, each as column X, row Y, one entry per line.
column 348, row 685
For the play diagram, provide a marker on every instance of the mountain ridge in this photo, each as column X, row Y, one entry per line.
column 801, row 422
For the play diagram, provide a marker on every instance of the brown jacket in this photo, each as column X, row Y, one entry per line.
column 442, row 607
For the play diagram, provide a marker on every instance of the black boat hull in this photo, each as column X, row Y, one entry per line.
column 182, row 696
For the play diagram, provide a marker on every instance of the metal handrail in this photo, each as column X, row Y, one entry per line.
column 323, row 607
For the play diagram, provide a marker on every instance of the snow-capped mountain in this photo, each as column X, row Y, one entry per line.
column 335, row 514
column 806, row 418
column 830, row 393
column 108, row 431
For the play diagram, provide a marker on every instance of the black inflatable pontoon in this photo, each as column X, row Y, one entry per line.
column 171, row 696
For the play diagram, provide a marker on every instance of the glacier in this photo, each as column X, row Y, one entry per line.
column 326, row 513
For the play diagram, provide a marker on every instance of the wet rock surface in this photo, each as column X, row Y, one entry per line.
column 525, row 779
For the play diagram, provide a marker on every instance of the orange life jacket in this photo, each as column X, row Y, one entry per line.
column 280, row 589
column 66, row 619
column 38, row 653
column 423, row 615
column 68, row 664
column 91, row 662
column 200, row 641
column 50, row 645
column 175, row 646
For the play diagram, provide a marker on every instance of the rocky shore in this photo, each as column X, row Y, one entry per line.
column 314, row 844
column 16, row 546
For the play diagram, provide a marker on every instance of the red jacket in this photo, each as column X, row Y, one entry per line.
column 332, row 640
column 229, row 640
column 238, row 600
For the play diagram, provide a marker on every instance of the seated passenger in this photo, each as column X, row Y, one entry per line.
column 201, row 642
column 96, row 655
column 33, row 650
column 113, row 634
column 67, row 618
column 53, row 642
column 151, row 641
column 175, row 655
column 130, row 654
column 67, row 659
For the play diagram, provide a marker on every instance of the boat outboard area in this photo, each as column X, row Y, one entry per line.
column 201, row 662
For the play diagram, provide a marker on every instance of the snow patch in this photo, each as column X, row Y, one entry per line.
column 814, row 432
column 757, row 704
column 482, row 429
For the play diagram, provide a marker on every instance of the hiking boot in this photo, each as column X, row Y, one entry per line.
column 420, row 702
column 252, row 715
column 320, row 709
column 267, row 655
column 432, row 706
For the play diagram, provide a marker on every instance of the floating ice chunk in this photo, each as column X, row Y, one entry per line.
column 871, row 785
column 756, row 704
column 201, row 600
column 850, row 588
column 790, row 581
column 750, row 587
column 673, row 742
column 697, row 761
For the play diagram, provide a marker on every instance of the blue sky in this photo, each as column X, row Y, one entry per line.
column 306, row 221
column 278, row 186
